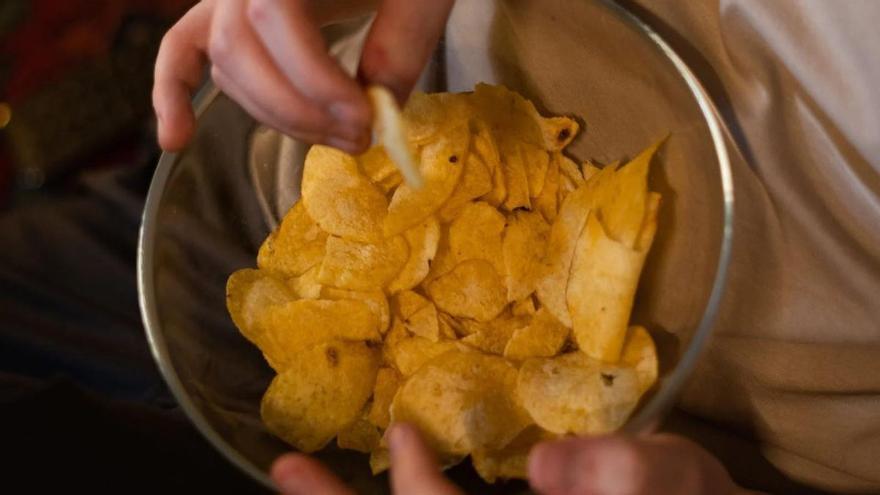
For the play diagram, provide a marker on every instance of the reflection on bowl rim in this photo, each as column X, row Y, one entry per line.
column 645, row 418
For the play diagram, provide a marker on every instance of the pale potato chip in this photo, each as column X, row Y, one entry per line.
column 361, row 436
column 296, row 246
column 473, row 289
column 640, row 354
column 410, row 353
column 341, row 200
column 537, row 162
column 422, row 240
column 250, row 292
column 601, row 289
column 544, row 336
column 623, row 199
column 362, row 266
column 523, row 249
column 564, row 233
column 428, row 115
column 441, row 165
column 512, row 460
column 547, row 202
column 288, row 329
column 516, row 180
column 492, row 337
column 461, row 401
column 388, row 380
column 573, row 394
column 475, row 181
column 323, row 390
column 524, row 307
column 389, row 128
column 307, row 286
column 419, row 315
column 374, row 299
column 476, row 234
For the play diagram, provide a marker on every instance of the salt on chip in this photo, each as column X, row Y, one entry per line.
column 374, row 299
column 573, row 394
column 476, row 234
column 362, row 266
column 422, row 241
column 248, row 293
column 460, row 401
column 360, row 436
column 475, row 181
column 322, row 391
column 640, row 354
column 389, row 128
column 473, row 289
column 523, row 248
column 339, row 198
column 441, row 164
column 544, row 336
column 296, row 246
column 388, row 380
column 419, row 315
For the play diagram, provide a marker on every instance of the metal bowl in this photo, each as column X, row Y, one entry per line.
column 210, row 206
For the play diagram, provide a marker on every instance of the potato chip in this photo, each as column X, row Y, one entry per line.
column 441, row 166
column 473, row 289
column 623, row 199
column 589, row 169
column 536, row 161
column 444, row 261
column 374, row 299
column 376, row 165
column 422, row 241
column 341, row 200
column 380, row 461
column 362, row 266
column 388, row 380
column 475, row 181
column 428, row 115
column 476, row 234
column 486, row 148
column 523, row 307
column 448, row 326
column 461, row 401
column 547, row 202
column 570, row 170
column 523, row 248
column 649, row 224
column 558, row 132
column 640, row 354
column 601, row 289
column 564, row 233
column 492, row 337
column 296, row 246
column 544, row 336
column 248, row 293
column 389, row 129
column 307, row 286
column 389, row 184
column 573, row 394
column 322, row 391
column 419, row 315
column 361, row 436
column 516, row 180
column 410, row 353
column 292, row 327
column 512, row 460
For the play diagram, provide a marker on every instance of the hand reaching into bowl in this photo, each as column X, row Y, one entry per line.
column 269, row 56
column 656, row 464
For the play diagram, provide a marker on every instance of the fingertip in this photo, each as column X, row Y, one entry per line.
column 545, row 465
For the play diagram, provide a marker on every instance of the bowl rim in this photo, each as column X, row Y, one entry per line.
column 646, row 417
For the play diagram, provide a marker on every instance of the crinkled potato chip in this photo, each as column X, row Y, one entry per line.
column 410, row 353
column 462, row 401
column 388, row 380
column 523, row 249
column 374, row 299
column 322, row 391
column 341, row 200
column 249, row 292
column 476, row 234
column 473, row 289
column 419, row 315
column 422, row 241
column 640, row 354
column 573, row 394
column 289, row 328
column 389, row 128
column 601, row 289
column 361, row 436
column 362, row 266
column 296, row 246
column 544, row 336
column 475, row 181
column 492, row 337
column 511, row 461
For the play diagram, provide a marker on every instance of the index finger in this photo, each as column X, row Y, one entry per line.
column 414, row 471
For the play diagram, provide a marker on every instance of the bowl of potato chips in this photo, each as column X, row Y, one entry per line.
column 534, row 247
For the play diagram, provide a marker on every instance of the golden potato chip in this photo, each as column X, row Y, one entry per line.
column 362, row 266
column 536, row 161
column 573, row 394
column 448, row 326
column 388, row 380
column 389, row 127
column 361, row 436
column 323, row 390
column 486, row 148
column 492, row 337
column 296, row 246
column 588, row 169
column 306, row 286
column 570, row 170
column 444, row 261
column 512, row 460
column 544, row 336
column 473, row 289
column 441, row 166
column 422, row 241
column 410, row 353
column 341, row 200
column 523, row 307
column 389, row 184
column 601, row 289
column 558, row 132
column 564, row 233
column 374, row 299
column 623, row 199
column 289, row 328
column 475, row 181
column 250, row 292
column 376, row 165
column 428, row 115
column 649, row 225
column 546, row 203
column 523, row 249
column 419, row 315
column 640, row 354
column 380, row 461
column 476, row 234
column 461, row 401
column 516, row 180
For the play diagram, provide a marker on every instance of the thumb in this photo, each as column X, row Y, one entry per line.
column 401, row 40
